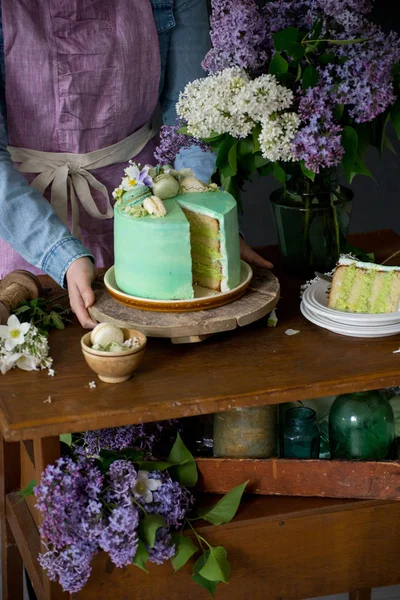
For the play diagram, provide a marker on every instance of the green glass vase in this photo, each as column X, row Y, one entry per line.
column 361, row 427
column 301, row 437
column 311, row 223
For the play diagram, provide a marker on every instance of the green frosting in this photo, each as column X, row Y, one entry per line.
column 153, row 256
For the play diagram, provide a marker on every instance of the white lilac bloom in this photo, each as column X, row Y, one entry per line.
column 92, row 385
column 27, row 363
column 14, row 332
column 277, row 136
column 8, row 362
column 229, row 102
column 145, row 486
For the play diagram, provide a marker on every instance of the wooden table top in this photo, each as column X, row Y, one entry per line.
column 250, row 366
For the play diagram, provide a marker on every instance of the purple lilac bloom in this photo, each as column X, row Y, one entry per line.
column 120, row 538
column 163, row 548
column 238, row 36
column 71, row 567
column 148, row 437
column 122, row 477
column 171, row 500
column 171, row 142
column 67, row 497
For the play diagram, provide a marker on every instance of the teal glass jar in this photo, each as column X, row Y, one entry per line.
column 301, row 437
column 361, row 427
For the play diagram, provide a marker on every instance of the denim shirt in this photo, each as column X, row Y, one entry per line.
column 27, row 220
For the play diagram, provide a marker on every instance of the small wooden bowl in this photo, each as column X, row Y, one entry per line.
column 114, row 367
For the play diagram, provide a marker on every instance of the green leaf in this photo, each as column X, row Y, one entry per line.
column 395, row 117
column 310, row 77
column 278, row 65
column 296, row 51
column 388, row 144
column 264, row 171
column 225, row 509
column 279, row 173
column 350, row 145
column 284, row 37
column 141, row 556
column 217, row 566
column 317, row 28
column 247, row 165
column 223, row 161
column 185, row 548
column 256, row 138
column 260, row 161
column 245, row 146
column 183, row 130
column 66, row 438
column 210, row 586
column 148, row 527
column 339, row 110
column 326, row 59
column 307, row 172
column 57, row 320
column 28, row 489
column 232, row 159
column 186, row 471
column 154, row 465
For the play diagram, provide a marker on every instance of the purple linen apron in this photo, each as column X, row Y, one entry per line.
column 81, row 75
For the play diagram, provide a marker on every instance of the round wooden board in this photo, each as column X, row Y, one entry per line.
column 261, row 297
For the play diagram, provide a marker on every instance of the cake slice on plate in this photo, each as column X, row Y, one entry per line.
column 365, row 287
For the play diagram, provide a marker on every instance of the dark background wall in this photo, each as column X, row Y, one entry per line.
column 376, row 203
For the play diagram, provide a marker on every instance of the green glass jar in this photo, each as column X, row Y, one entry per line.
column 361, row 427
column 301, row 435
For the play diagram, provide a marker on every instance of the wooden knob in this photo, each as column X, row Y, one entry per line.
column 16, row 287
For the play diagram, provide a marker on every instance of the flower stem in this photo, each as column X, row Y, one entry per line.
column 200, row 539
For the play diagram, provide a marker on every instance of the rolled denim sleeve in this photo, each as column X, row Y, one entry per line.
column 29, row 224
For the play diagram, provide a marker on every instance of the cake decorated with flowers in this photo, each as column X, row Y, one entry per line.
column 172, row 232
column 363, row 287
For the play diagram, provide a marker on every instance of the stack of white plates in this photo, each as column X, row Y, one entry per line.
column 314, row 306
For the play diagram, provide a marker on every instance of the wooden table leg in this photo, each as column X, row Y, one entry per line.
column 11, row 557
column 360, row 595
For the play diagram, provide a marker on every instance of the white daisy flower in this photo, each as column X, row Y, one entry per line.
column 144, row 486
column 14, row 332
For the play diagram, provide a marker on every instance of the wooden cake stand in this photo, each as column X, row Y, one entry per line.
column 260, row 299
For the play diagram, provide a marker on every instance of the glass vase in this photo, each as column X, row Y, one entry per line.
column 246, row 433
column 361, row 427
column 311, row 223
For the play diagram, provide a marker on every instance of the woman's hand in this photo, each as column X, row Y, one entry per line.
column 248, row 255
column 80, row 277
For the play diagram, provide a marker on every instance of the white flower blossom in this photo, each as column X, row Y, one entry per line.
column 7, row 362
column 31, row 351
column 51, row 372
column 144, row 486
column 229, row 102
column 277, row 135
column 92, row 385
column 14, row 332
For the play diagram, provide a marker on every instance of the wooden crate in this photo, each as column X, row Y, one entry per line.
column 290, row 477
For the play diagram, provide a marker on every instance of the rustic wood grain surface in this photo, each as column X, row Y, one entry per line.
column 253, row 365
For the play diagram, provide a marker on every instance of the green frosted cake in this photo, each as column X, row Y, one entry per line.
column 163, row 245
column 365, row 287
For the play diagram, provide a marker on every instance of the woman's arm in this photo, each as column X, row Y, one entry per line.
column 29, row 224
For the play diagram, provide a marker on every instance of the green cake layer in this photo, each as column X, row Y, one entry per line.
column 196, row 242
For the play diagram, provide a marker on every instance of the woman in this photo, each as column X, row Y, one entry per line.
column 81, row 80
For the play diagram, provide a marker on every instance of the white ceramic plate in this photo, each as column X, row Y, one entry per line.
column 316, row 296
column 348, row 330
column 203, row 298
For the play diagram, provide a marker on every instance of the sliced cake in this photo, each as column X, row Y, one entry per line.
column 365, row 287
column 196, row 241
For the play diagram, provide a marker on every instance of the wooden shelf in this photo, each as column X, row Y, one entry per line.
column 253, row 366
column 287, row 477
